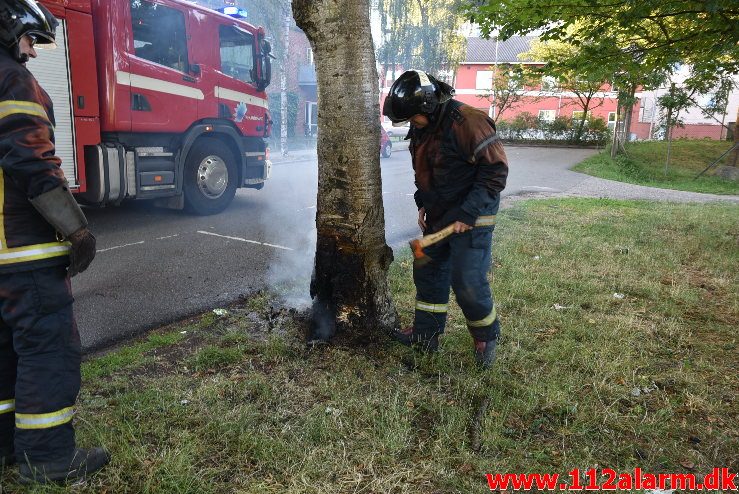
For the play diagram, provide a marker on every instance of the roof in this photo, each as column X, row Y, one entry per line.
column 481, row 50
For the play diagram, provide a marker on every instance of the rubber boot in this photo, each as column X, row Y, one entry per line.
column 408, row 338
column 80, row 465
column 485, row 353
column 7, row 458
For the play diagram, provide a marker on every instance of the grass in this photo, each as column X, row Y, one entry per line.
column 646, row 378
column 644, row 164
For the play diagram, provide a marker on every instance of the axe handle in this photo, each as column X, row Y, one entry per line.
column 436, row 237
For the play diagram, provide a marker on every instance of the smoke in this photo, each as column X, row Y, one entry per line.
column 289, row 219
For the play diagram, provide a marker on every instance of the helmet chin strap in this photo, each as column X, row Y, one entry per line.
column 15, row 52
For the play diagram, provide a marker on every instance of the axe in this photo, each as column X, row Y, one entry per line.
column 418, row 244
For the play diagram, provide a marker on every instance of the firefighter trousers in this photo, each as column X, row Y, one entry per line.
column 463, row 262
column 40, row 356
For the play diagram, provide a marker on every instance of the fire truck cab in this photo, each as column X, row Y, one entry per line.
column 157, row 99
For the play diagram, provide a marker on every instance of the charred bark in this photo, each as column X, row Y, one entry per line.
column 349, row 286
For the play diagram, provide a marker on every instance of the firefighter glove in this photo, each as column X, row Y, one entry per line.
column 60, row 209
column 83, row 251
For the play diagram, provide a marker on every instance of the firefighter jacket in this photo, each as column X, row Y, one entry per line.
column 460, row 166
column 29, row 168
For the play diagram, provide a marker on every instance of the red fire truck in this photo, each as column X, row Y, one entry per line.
column 157, row 99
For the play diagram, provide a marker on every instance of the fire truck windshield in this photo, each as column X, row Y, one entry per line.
column 237, row 54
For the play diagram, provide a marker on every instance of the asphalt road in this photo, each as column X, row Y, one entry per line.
column 155, row 266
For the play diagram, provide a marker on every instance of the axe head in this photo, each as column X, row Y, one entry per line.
column 419, row 256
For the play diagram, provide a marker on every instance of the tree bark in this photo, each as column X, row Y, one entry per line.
column 735, row 158
column 349, row 287
column 629, row 116
column 283, row 80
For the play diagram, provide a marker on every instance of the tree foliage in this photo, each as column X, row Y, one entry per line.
column 265, row 13
column 507, row 90
column 421, row 34
column 586, row 85
column 628, row 36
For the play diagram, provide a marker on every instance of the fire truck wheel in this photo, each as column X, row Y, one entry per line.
column 210, row 177
column 387, row 150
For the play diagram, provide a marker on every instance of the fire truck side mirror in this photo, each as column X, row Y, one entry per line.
column 266, row 47
column 265, row 60
column 195, row 69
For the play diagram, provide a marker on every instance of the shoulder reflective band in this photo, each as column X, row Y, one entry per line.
column 7, row 406
column 8, row 108
column 484, row 322
column 487, row 142
column 428, row 307
column 485, row 220
column 43, row 420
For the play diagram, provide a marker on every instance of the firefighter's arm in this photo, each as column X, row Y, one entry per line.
column 479, row 142
column 61, row 210
column 27, row 136
column 29, row 160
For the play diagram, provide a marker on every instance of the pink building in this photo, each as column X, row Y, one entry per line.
column 474, row 77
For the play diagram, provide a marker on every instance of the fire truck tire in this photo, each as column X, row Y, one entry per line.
column 387, row 150
column 211, row 177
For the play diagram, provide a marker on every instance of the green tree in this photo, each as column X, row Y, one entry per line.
column 421, row 34
column 508, row 89
column 655, row 34
column 586, row 85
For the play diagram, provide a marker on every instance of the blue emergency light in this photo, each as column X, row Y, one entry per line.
column 233, row 11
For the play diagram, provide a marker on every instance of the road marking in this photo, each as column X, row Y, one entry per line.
column 168, row 236
column 277, row 246
column 120, row 246
column 245, row 240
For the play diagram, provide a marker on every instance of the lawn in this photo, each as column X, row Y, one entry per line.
column 619, row 350
column 644, row 164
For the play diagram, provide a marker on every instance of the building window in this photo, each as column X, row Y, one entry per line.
column 237, row 54
column 578, row 114
column 311, row 118
column 548, row 83
column 159, row 34
column 611, row 119
column 547, row 115
column 309, row 56
column 484, row 79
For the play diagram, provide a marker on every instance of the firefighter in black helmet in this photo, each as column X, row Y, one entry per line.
column 460, row 169
column 43, row 241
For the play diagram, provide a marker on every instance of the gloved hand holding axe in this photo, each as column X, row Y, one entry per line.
column 418, row 244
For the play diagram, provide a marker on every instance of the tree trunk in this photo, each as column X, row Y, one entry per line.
column 581, row 124
column 628, row 117
column 283, row 81
column 735, row 159
column 614, row 144
column 349, row 287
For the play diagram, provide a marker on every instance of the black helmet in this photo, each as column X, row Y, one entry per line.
column 20, row 17
column 413, row 93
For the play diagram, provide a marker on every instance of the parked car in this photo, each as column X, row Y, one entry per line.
column 401, row 131
column 386, row 147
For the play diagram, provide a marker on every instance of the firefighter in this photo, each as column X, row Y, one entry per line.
column 460, row 170
column 42, row 232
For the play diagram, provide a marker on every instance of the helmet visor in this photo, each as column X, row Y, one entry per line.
column 41, row 40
